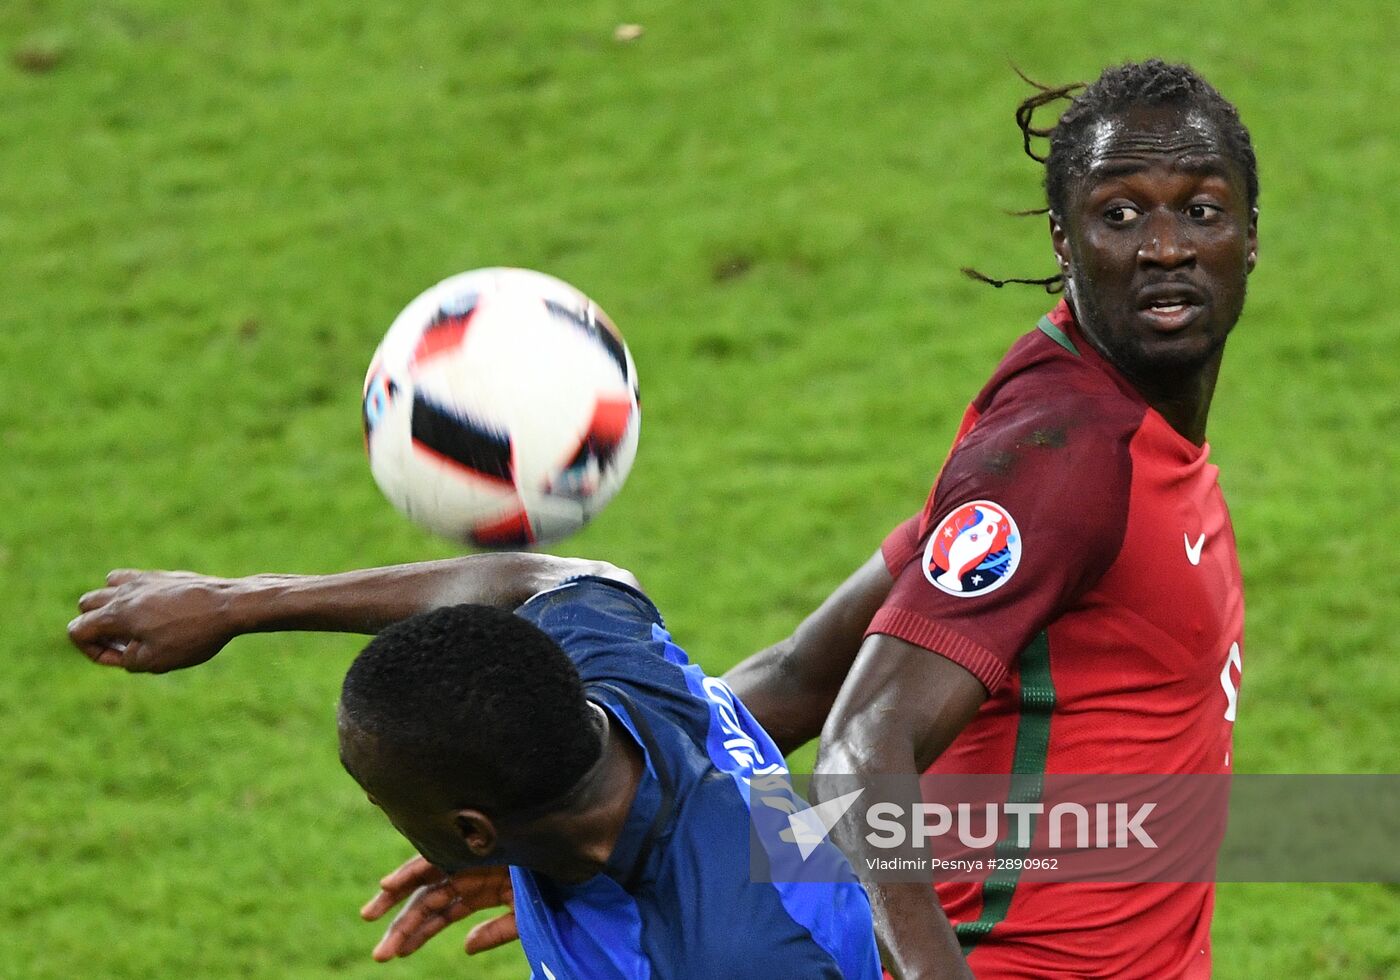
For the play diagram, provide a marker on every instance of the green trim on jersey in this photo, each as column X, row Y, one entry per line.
column 1027, row 775
column 1057, row 335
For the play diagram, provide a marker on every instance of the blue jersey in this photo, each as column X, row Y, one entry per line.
column 679, row 898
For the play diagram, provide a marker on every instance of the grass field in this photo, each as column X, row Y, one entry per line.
column 209, row 214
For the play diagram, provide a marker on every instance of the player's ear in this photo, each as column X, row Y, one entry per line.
column 1253, row 256
column 1059, row 241
column 477, row 832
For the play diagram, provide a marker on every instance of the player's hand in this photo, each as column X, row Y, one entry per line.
column 435, row 901
column 154, row 621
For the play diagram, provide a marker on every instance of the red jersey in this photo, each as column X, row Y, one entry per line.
column 1077, row 557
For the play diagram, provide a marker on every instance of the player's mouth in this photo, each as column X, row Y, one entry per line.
column 1170, row 306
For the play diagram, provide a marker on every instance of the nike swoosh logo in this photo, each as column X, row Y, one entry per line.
column 1193, row 552
column 810, row 827
column 547, row 971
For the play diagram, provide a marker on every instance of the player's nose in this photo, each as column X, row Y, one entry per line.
column 1165, row 243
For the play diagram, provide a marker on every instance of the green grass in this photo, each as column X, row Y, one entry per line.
column 210, row 212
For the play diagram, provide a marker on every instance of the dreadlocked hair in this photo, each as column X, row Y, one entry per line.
column 1052, row 284
column 1117, row 89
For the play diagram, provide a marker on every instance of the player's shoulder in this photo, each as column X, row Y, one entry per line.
column 1048, row 423
column 1048, row 393
column 591, row 609
column 1045, row 373
column 1064, row 429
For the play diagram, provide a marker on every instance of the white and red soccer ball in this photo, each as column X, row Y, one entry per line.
column 501, row 409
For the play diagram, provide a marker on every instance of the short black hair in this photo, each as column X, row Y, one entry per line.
column 1117, row 89
column 476, row 703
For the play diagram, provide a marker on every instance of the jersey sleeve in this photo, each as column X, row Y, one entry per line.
column 900, row 545
column 1028, row 513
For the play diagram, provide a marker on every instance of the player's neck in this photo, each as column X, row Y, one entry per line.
column 1185, row 402
column 592, row 824
column 1181, row 396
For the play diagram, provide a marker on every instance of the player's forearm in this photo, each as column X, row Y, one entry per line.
column 899, row 709
column 366, row 601
column 916, row 940
column 161, row 621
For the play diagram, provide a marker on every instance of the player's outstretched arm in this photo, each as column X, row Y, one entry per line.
column 899, row 709
column 161, row 621
column 790, row 686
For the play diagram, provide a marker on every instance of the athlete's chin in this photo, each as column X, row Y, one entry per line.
column 1183, row 352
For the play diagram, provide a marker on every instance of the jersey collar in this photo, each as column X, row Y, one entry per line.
column 1061, row 327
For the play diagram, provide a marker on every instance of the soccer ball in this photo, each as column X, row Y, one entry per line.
column 501, row 409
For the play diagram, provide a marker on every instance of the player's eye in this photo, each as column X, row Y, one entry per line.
column 1120, row 214
column 1202, row 212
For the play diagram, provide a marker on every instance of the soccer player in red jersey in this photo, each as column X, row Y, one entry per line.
column 1069, row 598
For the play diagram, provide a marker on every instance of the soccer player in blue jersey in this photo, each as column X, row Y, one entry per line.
column 550, row 725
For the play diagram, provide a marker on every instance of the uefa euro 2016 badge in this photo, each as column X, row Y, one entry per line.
column 973, row 550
